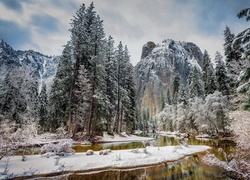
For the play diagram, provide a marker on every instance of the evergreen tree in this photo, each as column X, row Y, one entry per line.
column 182, row 96
column 82, row 93
column 129, row 92
column 119, row 59
column 221, row 75
column 233, row 59
column 229, row 51
column 43, row 111
column 242, row 41
column 111, row 82
column 208, row 75
column 13, row 103
column 195, row 85
column 169, row 100
column 60, row 91
column 30, row 91
column 176, row 87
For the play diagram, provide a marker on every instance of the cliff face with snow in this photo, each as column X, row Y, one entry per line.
column 44, row 67
column 159, row 65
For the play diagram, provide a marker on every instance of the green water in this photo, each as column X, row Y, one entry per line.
column 189, row 168
column 226, row 145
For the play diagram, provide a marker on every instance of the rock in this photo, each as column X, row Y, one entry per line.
column 147, row 49
column 160, row 64
column 105, row 152
column 89, row 152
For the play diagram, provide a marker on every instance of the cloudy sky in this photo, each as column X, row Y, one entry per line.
column 42, row 25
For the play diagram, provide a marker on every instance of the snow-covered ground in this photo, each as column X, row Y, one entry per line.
column 37, row 164
column 123, row 137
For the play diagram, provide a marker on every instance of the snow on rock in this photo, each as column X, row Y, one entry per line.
column 160, row 64
column 36, row 164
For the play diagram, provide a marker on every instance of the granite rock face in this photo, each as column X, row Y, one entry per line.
column 42, row 66
column 159, row 65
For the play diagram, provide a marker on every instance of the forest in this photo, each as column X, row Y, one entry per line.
column 94, row 88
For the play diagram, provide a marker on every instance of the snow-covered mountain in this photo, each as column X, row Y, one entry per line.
column 159, row 65
column 44, row 67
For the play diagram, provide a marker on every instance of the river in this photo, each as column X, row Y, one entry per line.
column 189, row 168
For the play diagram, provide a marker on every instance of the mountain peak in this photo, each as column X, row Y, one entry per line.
column 160, row 64
column 147, row 49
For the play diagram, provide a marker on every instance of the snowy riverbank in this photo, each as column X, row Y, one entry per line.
column 123, row 137
column 37, row 164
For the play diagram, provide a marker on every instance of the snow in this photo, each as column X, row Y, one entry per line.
column 37, row 164
column 123, row 138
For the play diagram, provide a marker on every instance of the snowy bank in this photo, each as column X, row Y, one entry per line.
column 38, row 165
column 123, row 137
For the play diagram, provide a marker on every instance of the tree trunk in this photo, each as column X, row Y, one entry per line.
column 92, row 100
column 70, row 126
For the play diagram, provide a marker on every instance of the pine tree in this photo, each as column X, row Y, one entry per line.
column 111, row 82
column 30, row 91
column 43, row 111
column 82, row 94
column 195, row 84
column 208, row 75
column 176, row 88
column 233, row 59
column 60, row 91
column 128, row 86
column 242, row 41
column 13, row 103
column 119, row 59
column 221, row 75
column 229, row 52
column 98, row 71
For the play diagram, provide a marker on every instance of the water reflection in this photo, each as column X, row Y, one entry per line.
column 189, row 168
column 226, row 145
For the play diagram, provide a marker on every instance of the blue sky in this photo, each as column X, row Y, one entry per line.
column 42, row 25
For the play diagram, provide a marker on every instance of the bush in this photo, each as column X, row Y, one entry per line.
column 60, row 148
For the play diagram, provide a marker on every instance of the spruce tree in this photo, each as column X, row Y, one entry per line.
column 43, row 108
column 208, row 75
column 119, row 59
column 82, row 92
column 111, row 82
column 221, row 75
column 60, row 91
column 233, row 59
column 196, row 88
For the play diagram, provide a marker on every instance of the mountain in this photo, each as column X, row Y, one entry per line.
column 42, row 66
column 160, row 64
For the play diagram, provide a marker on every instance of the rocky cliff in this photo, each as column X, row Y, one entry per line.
column 44, row 67
column 159, row 65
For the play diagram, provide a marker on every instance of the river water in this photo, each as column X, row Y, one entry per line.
column 189, row 168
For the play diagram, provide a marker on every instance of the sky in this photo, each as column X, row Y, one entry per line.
column 43, row 25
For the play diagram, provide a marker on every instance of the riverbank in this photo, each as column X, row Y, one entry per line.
column 39, row 165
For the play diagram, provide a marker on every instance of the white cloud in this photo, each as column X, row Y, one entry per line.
column 132, row 22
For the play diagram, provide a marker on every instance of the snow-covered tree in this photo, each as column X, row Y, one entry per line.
column 209, row 78
column 119, row 59
column 221, row 75
column 60, row 90
column 176, row 88
column 111, row 83
column 43, row 108
column 241, row 41
column 238, row 164
column 213, row 114
column 166, row 118
column 82, row 94
column 196, row 88
column 234, row 63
